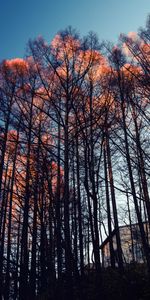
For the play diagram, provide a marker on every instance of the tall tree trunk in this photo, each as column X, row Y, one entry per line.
column 79, row 208
column 128, row 159
column 58, row 203
column 23, row 287
column 111, row 248
column 33, row 272
column 141, row 165
column 114, row 206
column 7, row 281
column 5, row 195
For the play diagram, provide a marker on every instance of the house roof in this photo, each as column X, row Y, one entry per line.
column 113, row 233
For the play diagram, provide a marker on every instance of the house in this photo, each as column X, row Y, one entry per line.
column 131, row 243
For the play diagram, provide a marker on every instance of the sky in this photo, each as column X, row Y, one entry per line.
column 21, row 20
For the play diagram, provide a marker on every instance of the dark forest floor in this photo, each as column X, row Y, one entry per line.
column 134, row 284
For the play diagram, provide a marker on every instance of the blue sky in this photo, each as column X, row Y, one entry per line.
column 24, row 19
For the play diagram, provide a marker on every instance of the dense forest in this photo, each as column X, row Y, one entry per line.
column 74, row 167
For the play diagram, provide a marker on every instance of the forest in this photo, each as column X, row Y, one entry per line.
column 74, row 167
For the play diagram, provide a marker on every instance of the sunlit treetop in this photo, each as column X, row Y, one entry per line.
column 131, row 71
column 16, row 65
column 40, row 97
column 146, row 48
column 64, row 47
column 135, row 47
column 91, row 62
column 11, row 139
